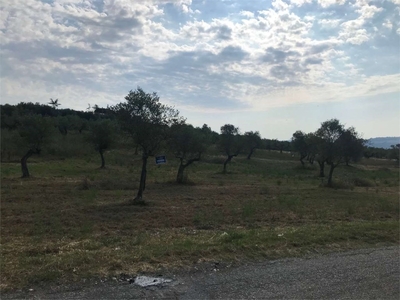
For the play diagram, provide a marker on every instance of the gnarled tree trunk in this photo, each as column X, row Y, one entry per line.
column 142, row 185
column 182, row 167
column 103, row 163
column 24, row 166
column 251, row 153
column 227, row 161
column 301, row 159
column 330, row 174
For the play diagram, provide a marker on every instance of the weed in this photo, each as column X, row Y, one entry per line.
column 232, row 237
column 289, row 202
column 89, row 196
column 350, row 210
column 248, row 211
column 85, row 184
column 265, row 190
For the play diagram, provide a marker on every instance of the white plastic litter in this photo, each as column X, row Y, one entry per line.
column 144, row 281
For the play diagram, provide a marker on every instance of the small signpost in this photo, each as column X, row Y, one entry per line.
column 162, row 159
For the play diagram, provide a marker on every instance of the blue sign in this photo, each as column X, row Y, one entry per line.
column 161, row 160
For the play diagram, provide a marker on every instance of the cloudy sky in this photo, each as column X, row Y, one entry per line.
column 272, row 66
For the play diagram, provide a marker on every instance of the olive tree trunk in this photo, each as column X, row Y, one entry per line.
column 227, row 161
column 182, row 167
column 142, row 185
column 24, row 166
column 330, row 174
column 301, row 159
column 103, row 162
column 251, row 153
column 179, row 177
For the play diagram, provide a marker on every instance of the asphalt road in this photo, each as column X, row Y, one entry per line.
column 361, row 274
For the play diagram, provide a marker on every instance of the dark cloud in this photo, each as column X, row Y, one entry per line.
column 105, row 28
column 232, row 53
column 199, row 60
column 25, row 51
column 282, row 72
column 126, row 23
column 320, row 48
column 223, row 32
column 313, row 61
column 273, row 55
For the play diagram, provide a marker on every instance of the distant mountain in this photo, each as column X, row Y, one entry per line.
column 383, row 142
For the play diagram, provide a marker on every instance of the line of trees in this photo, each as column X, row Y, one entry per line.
column 152, row 126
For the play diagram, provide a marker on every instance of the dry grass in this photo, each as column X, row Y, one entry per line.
column 73, row 220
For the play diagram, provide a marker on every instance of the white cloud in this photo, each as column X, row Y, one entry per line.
column 365, row 10
column 387, row 24
column 280, row 5
column 327, row 3
column 300, row 2
column 329, row 23
column 247, row 14
column 352, row 30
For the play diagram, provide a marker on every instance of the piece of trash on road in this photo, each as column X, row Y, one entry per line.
column 144, row 281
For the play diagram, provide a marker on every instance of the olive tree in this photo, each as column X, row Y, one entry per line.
column 35, row 132
column 187, row 144
column 147, row 121
column 252, row 141
column 299, row 145
column 102, row 136
column 394, row 152
column 316, row 148
column 334, row 144
column 230, row 143
column 352, row 146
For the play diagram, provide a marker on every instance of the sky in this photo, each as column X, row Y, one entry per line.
column 268, row 66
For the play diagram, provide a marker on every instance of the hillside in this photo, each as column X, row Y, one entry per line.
column 383, row 142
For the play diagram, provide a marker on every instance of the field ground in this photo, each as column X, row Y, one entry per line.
column 72, row 220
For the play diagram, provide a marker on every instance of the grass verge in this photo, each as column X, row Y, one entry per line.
column 72, row 221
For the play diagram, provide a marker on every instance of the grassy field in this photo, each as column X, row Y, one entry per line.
column 72, row 220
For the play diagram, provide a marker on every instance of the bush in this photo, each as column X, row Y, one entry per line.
column 362, row 182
